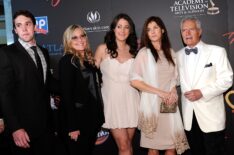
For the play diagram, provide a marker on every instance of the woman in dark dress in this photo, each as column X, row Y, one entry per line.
column 81, row 111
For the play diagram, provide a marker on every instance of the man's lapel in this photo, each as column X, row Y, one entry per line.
column 204, row 55
column 184, row 78
column 31, row 64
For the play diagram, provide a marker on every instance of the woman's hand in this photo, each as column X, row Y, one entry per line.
column 165, row 96
column 173, row 96
column 74, row 135
column 2, row 126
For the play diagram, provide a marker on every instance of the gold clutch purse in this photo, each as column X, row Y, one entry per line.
column 168, row 108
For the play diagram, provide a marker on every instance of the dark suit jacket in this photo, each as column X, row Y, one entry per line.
column 4, row 139
column 24, row 96
column 80, row 108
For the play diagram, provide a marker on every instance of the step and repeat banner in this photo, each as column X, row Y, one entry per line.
column 54, row 16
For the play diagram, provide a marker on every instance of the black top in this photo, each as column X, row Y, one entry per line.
column 81, row 103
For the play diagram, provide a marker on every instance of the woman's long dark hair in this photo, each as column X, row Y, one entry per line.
column 110, row 38
column 166, row 45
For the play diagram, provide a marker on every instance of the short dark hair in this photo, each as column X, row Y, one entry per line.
column 25, row 13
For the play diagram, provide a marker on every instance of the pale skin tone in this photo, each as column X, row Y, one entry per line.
column 191, row 34
column 25, row 29
column 155, row 33
column 78, row 44
column 123, row 137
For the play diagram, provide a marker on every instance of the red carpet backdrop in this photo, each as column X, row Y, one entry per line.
column 53, row 16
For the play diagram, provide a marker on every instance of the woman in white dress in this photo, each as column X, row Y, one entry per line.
column 154, row 73
column 121, row 100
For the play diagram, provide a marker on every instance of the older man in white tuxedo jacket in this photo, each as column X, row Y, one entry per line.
column 205, row 74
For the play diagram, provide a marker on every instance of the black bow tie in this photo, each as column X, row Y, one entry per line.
column 188, row 51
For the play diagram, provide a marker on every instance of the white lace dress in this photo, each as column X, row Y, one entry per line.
column 159, row 131
column 121, row 100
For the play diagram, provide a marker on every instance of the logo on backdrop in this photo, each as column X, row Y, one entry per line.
column 212, row 10
column 102, row 136
column 54, row 3
column 230, row 36
column 94, row 18
column 54, row 48
column 42, row 25
column 194, row 8
column 227, row 99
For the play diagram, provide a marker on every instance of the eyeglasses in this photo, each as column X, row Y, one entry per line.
column 82, row 37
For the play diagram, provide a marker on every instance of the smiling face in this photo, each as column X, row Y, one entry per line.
column 191, row 33
column 122, row 30
column 154, row 32
column 25, row 28
column 78, row 40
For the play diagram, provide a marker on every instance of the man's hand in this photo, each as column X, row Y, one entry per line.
column 57, row 100
column 2, row 126
column 21, row 138
column 193, row 95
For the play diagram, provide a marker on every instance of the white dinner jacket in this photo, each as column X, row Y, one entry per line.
column 213, row 76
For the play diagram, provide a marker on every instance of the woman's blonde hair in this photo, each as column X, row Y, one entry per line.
column 67, row 38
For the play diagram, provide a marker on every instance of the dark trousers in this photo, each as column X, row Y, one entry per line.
column 5, row 143
column 85, row 143
column 42, row 145
column 201, row 143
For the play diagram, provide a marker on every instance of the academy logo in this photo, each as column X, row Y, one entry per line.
column 189, row 7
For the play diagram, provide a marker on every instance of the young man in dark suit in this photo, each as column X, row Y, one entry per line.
column 25, row 83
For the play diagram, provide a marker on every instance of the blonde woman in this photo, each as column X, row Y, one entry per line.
column 81, row 110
